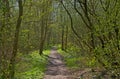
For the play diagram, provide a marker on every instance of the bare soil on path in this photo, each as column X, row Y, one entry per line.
column 56, row 68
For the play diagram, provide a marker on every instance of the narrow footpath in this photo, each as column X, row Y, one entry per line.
column 56, row 68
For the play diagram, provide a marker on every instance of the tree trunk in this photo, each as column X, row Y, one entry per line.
column 15, row 45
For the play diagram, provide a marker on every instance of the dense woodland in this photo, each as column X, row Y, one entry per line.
column 86, row 30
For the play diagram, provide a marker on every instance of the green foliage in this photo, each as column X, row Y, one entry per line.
column 74, row 60
column 91, row 62
column 31, row 66
column 98, row 29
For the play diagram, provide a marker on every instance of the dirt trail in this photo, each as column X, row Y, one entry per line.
column 56, row 67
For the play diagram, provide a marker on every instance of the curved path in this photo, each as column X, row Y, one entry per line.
column 56, row 67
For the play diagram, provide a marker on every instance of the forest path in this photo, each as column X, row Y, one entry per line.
column 56, row 68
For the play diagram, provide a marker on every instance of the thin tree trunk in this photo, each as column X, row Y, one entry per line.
column 62, row 40
column 71, row 20
column 15, row 45
column 42, row 34
column 66, row 37
column 44, row 27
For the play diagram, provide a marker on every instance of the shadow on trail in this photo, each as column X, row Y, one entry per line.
column 56, row 68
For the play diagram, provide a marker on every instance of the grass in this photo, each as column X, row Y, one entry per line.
column 31, row 66
column 72, row 60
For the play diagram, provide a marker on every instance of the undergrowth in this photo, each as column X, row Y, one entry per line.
column 31, row 66
column 74, row 60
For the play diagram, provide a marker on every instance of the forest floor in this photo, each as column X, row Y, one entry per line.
column 56, row 68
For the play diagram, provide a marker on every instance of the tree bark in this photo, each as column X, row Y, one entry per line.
column 15, row 44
